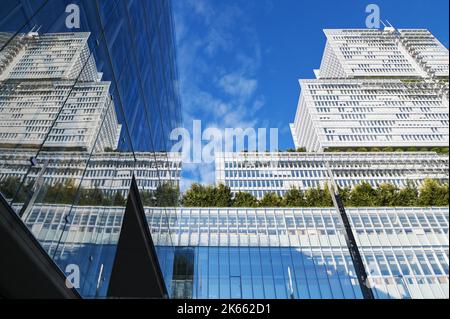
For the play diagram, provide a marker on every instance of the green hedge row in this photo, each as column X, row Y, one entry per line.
column 431, row 193
column 68, row 193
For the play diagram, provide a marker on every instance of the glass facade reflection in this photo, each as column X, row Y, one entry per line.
column 132, row 43
column 84, row 109
column 269, row 253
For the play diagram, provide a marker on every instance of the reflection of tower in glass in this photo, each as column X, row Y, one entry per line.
column 52, row 94
column 52, row 100
column 62, row 148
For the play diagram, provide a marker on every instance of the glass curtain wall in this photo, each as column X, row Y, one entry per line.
column 274, row 253
column 88, row 98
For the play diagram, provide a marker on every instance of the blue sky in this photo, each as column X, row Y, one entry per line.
column 240, row 60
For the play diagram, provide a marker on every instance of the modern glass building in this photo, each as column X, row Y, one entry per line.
column 131, row 42
column 86, row 110
column 296, row 253
column 88, row 98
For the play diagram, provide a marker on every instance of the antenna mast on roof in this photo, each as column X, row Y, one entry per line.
column 390, row 24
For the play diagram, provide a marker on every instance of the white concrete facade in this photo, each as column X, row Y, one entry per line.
column 376, row 88
column 262, row 173
column 353, row 53
column 370, row 113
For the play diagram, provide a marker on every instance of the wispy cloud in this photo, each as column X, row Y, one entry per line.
column 194, row 173
column 238, row 86
column 219, row 57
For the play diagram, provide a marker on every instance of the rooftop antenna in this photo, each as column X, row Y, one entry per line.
column 390, row 24
column 34, row 32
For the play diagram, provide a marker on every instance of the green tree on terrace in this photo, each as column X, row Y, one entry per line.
column 222, row 196
column 298, row 150
column 199, row 196
column 208, row 196
column 245, row 200
column 9, row 186
column 70, row 190
column 53, row 194
column 92, row 197
column 327, row 201
column 427, row 193
column 118, row 199
column 167, row 195
column 313, row 196
column 24, row 193
column 440, row 150
column 148, row 198
column 445, row 198
column 386, row 195
column 318, row 197
column 59, row 193
column 363, row 195
column 407, row 196
column 294, row 198
column 433, row 193
column 344, row 193
column 271, row 200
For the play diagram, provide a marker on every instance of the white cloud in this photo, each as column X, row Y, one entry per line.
column 219, row 56
column 237, row 85
column 204, row 174
column 258, row 104
column 216, row 41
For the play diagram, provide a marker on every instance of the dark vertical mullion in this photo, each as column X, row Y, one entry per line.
column 355, row 254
